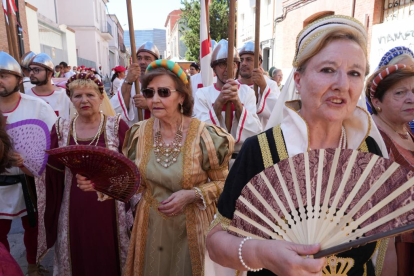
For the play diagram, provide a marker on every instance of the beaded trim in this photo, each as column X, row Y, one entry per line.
column 280, row 143
column 264, row 147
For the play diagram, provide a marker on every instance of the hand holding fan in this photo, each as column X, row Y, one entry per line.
column 112, row 173
column 331, row 197
column 31, row 138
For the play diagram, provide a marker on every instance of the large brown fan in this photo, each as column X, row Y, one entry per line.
column 332, row 197
column 112, row 173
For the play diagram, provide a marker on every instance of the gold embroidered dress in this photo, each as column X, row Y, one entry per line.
column 162, row 245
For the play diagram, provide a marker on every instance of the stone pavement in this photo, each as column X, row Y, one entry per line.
column 18, row 251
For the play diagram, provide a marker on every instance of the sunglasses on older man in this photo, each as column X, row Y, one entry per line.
column 163, row 92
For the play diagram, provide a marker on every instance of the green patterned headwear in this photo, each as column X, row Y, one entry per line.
column 169, row 65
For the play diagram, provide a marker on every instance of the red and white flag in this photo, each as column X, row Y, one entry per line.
column 205, row 46
column 9, row 6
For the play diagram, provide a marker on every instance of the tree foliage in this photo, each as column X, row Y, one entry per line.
column 190, row 17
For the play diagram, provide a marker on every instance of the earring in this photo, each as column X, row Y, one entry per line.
column 100, row 106
column 181, row 109
column 378, row 109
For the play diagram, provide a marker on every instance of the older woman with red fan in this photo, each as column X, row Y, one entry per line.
column 390, row 92
column 183, row 163
column 331, row 64
column 89, row 230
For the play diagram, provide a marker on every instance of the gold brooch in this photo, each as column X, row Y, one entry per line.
column 338, row 266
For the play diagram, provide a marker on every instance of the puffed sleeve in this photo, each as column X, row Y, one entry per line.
column 217, row 147
column 129, row 148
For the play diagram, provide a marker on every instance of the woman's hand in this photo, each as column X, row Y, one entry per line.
column 84, row 184
column 176, row 203
column 18, row 159
column 286, row 258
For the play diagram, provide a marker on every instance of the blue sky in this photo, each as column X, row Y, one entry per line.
column 147, row 14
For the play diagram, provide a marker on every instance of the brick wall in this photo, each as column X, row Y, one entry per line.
column 3, row 42
column 288, row 29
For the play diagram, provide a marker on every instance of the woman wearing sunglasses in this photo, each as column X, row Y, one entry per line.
column 183, row 164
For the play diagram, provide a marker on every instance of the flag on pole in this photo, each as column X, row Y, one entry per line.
column 205, row 46
column 9, row 6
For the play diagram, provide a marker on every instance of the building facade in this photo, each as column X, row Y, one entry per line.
column 292, row 15
column 93, row 32
column 157, row 36
column 117, row 49
column 175, row 45
column 24, row 43
column 246, row 18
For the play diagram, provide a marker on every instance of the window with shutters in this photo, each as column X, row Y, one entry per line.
column 398, row 9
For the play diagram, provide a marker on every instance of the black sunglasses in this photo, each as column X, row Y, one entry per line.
column 163, row 92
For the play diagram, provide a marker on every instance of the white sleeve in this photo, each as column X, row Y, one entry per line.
column 119, row 106
column 267, row 102
column 47, row 115
column 249, row 123
column 203, row 109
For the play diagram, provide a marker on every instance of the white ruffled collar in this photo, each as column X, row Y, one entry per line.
column 295, row 128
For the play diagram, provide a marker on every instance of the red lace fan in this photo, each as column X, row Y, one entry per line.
column 338, row 198
column 113, row 173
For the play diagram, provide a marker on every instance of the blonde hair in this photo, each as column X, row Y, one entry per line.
column 340, row 32
column 83, row 83
column 397, row 59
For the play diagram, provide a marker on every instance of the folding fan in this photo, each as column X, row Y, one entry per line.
column 332, row 197
column 112, row 173
column 30, row 139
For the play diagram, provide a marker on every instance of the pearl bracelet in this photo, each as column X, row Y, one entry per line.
column 241, row 258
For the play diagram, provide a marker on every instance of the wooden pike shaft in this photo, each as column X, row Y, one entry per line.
column 230, row 75
column 133, row 50
column 257, row 44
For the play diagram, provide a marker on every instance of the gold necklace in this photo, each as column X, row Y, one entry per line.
column 403, row 136
column 75, row 136
column 167, row 154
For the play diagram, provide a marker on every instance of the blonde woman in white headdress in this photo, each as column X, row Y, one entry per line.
column 330, row 68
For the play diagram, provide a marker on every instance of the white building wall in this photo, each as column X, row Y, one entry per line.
column 45, row 7
column 33, row 30
column 89, row 20
column 70, row 45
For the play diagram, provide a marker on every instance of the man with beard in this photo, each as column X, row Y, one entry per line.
column 24, row 64
column 14, row 203
column 210, row 102
column 268, row 91
column 41, row 72
column 125, row 101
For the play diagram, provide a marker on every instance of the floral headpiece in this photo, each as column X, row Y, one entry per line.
column 383, row 74
column 85, row 76
column 169, row 65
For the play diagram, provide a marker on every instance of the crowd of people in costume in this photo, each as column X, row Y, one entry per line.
column 193, row 168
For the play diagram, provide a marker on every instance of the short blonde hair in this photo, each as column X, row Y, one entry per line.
column 397, row 59
column 83, row 83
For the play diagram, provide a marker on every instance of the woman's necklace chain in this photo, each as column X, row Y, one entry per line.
column 96, row 137
column 167, row 154
column 404, row 136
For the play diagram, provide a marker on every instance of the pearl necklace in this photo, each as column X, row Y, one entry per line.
column 96, row 137
column 167, row 154
column 342, row 139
